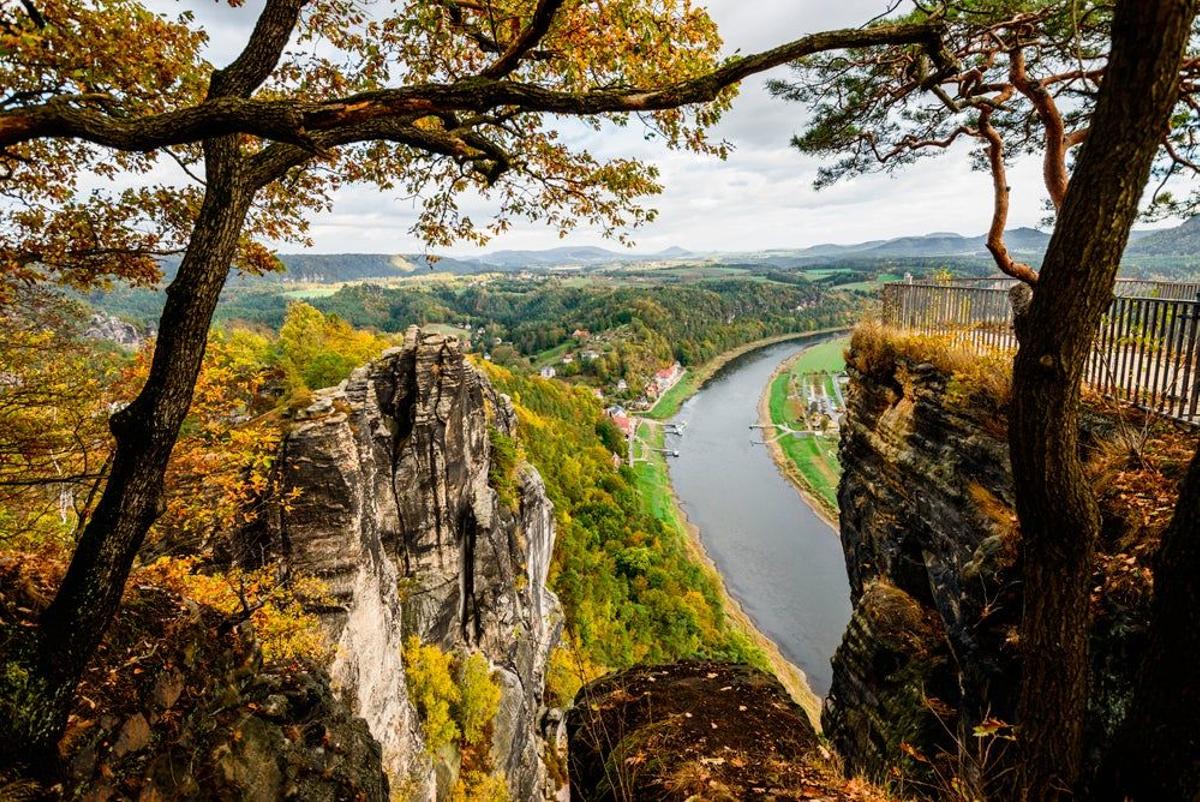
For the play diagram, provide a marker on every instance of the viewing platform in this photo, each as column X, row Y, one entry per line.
column 1145, row 352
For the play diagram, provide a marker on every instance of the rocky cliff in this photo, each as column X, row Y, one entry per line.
column 394, row 510
column 932, row 551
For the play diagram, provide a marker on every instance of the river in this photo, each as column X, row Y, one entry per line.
column 781, row 561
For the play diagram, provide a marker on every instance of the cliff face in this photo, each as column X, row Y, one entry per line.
column 932, row 550
column 395, row 512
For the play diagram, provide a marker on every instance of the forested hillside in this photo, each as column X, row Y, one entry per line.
column 632, row 328
column 630, row 590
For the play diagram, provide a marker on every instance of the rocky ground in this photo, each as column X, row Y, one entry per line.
column 178, row 706
column 697, row 731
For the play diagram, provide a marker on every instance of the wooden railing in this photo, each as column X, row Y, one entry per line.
column 1145, row 353
column 1125, row 287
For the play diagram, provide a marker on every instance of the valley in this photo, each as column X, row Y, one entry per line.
column 624, row 401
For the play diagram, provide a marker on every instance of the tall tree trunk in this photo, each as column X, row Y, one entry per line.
column 1160, row 752
column 145, row 431
column 1057, row 511
column 72, row 626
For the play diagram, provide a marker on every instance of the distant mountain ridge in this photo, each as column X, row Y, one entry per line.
column 1181, row 242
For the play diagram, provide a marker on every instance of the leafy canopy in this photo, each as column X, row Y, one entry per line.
column 81, row 213
column 431, row 99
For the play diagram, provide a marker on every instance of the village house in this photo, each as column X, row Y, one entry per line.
column 547, row 372
column 621, row 420
column 665, row 379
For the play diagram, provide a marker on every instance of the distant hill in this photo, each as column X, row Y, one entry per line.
column 1154, row 250
column 941, row 243
column 573, row 256
column 328, row 268
column 1019, row 240
column 331, row 268
column 1183, row 240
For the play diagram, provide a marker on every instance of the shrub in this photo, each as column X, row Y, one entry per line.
column 479, row 697
column 477, row 786
column 276, row 610
column 974, row 376
column 502, row 472
column 431, row 686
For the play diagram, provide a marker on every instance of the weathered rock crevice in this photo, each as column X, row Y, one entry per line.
column 394, row 511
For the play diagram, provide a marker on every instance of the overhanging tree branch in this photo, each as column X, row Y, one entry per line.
column 296, row 121
column 261, row 53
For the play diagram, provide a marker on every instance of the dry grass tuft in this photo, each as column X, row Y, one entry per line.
column 975, row 376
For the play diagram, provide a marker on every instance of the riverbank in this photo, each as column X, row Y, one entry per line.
column 808, row 464
column 669, row 402
column 654, row 485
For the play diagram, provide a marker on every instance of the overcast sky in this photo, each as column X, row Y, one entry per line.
column 760, row 197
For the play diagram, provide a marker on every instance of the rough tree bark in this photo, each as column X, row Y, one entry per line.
column 1057, row 511
column 1159, row 754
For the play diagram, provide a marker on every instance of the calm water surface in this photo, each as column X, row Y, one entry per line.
column 779, row 560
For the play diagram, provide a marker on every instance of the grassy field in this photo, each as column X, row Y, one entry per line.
column 827, row 356
column 811, row 459
column 312, row 292
column 813, row 275
column 553, row 355
column 448, row 330
column 779, row 404
column 653, row 481
column 815, row 458
column 669, row 402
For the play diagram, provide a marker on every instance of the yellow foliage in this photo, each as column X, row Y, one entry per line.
column 974, row 375
column 431, row 685
column 479, row 696
column 320, row 350
column 54, row 434
column 276, row 610
column 221, row 464
column 477, row 786
column 569, row 670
